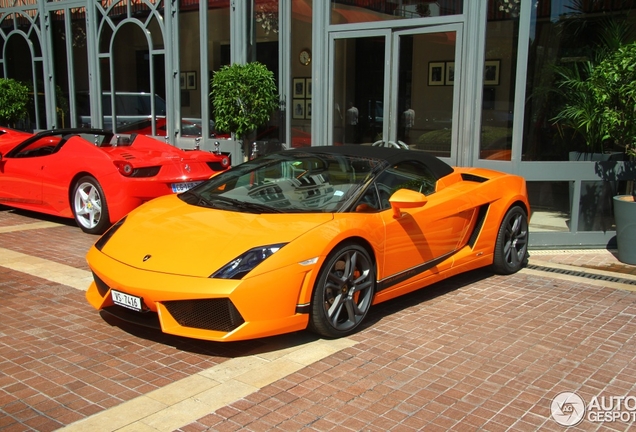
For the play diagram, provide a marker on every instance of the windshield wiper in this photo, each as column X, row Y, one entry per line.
column 195, row 199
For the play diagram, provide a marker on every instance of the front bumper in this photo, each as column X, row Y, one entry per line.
column 203, row 308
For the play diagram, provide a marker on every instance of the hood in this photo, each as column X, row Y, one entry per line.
column 183, row 239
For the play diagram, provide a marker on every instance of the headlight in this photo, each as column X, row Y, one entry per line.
column 243, row 264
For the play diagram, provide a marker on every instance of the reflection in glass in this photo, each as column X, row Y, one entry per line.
column 189, row 64
column 300, row 95
column 351, row 11
column 425, row 91
column 502, row 33
column 567, row 39
column 20, row 65
column 358, row 90
column 80, row 62
column 550, row 203
column 596, row 207
column 272, row 134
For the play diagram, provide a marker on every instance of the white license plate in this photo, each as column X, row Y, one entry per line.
column 126, row 300
column 182, row 187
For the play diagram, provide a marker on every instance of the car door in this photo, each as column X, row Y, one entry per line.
column 21, row 173
column 423, row 237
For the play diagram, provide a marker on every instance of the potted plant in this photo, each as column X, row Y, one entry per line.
column 613, row 83
column 14, row 97
column 243, row 96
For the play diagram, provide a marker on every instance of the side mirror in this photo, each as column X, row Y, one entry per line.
column 406, row 198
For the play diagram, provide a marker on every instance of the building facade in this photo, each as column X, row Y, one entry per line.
column 478, row 83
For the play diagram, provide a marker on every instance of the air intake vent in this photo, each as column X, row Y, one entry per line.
column 473, row 178
column 102, row 288
column 208, row 314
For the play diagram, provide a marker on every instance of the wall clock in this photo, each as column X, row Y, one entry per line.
column 305, row 57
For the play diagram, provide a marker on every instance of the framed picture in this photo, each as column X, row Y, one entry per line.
column 308, row 87
column 191, row 80
column 436, row 73
column 182, row 80
column 450, row 73
column 491, row 72
column 298, row 107
column 298, row 90
column 308, row 108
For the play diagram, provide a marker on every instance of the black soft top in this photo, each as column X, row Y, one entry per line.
column 388, row 154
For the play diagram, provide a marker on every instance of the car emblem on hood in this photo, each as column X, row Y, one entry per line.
column 187, row 167
column 147, row 257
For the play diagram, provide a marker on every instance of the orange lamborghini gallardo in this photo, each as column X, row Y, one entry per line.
column 306, row 239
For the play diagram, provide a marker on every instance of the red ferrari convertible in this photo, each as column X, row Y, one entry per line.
column 93, row 175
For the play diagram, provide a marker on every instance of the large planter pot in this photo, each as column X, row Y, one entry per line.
column 625, row 217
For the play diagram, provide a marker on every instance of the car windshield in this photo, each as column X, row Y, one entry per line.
column 288, row 182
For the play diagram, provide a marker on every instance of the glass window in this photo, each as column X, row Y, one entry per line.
column 425, row 93
column 18, row 64
column 405, row 175
column 358, row 90
column 356, row 11
column 300, row 96
column 550, row 203
column 270, row 135
column 567, row 39
column 595, row 206
column 502, row 34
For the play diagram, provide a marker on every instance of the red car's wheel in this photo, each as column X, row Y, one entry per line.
column 343, row 293
column 89, row 206
column 511, row 247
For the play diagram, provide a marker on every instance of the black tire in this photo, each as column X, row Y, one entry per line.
column 89, row 206
column 511, row 247
column 343, row 292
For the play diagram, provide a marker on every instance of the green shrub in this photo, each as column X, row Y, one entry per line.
column 14, row 98
column 243, row 96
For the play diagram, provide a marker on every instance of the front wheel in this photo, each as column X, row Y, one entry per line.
column 89, row 206
column 343, row 293
column 511, row 247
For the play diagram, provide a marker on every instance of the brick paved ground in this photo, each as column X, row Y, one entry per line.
column 481, row 353
column 478, row 352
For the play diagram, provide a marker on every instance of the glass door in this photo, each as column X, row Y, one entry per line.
column 397, row 88
column 359, row 72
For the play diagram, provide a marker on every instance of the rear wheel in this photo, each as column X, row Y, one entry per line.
column 511, row 247
column 89, row 206
column 343, row 293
